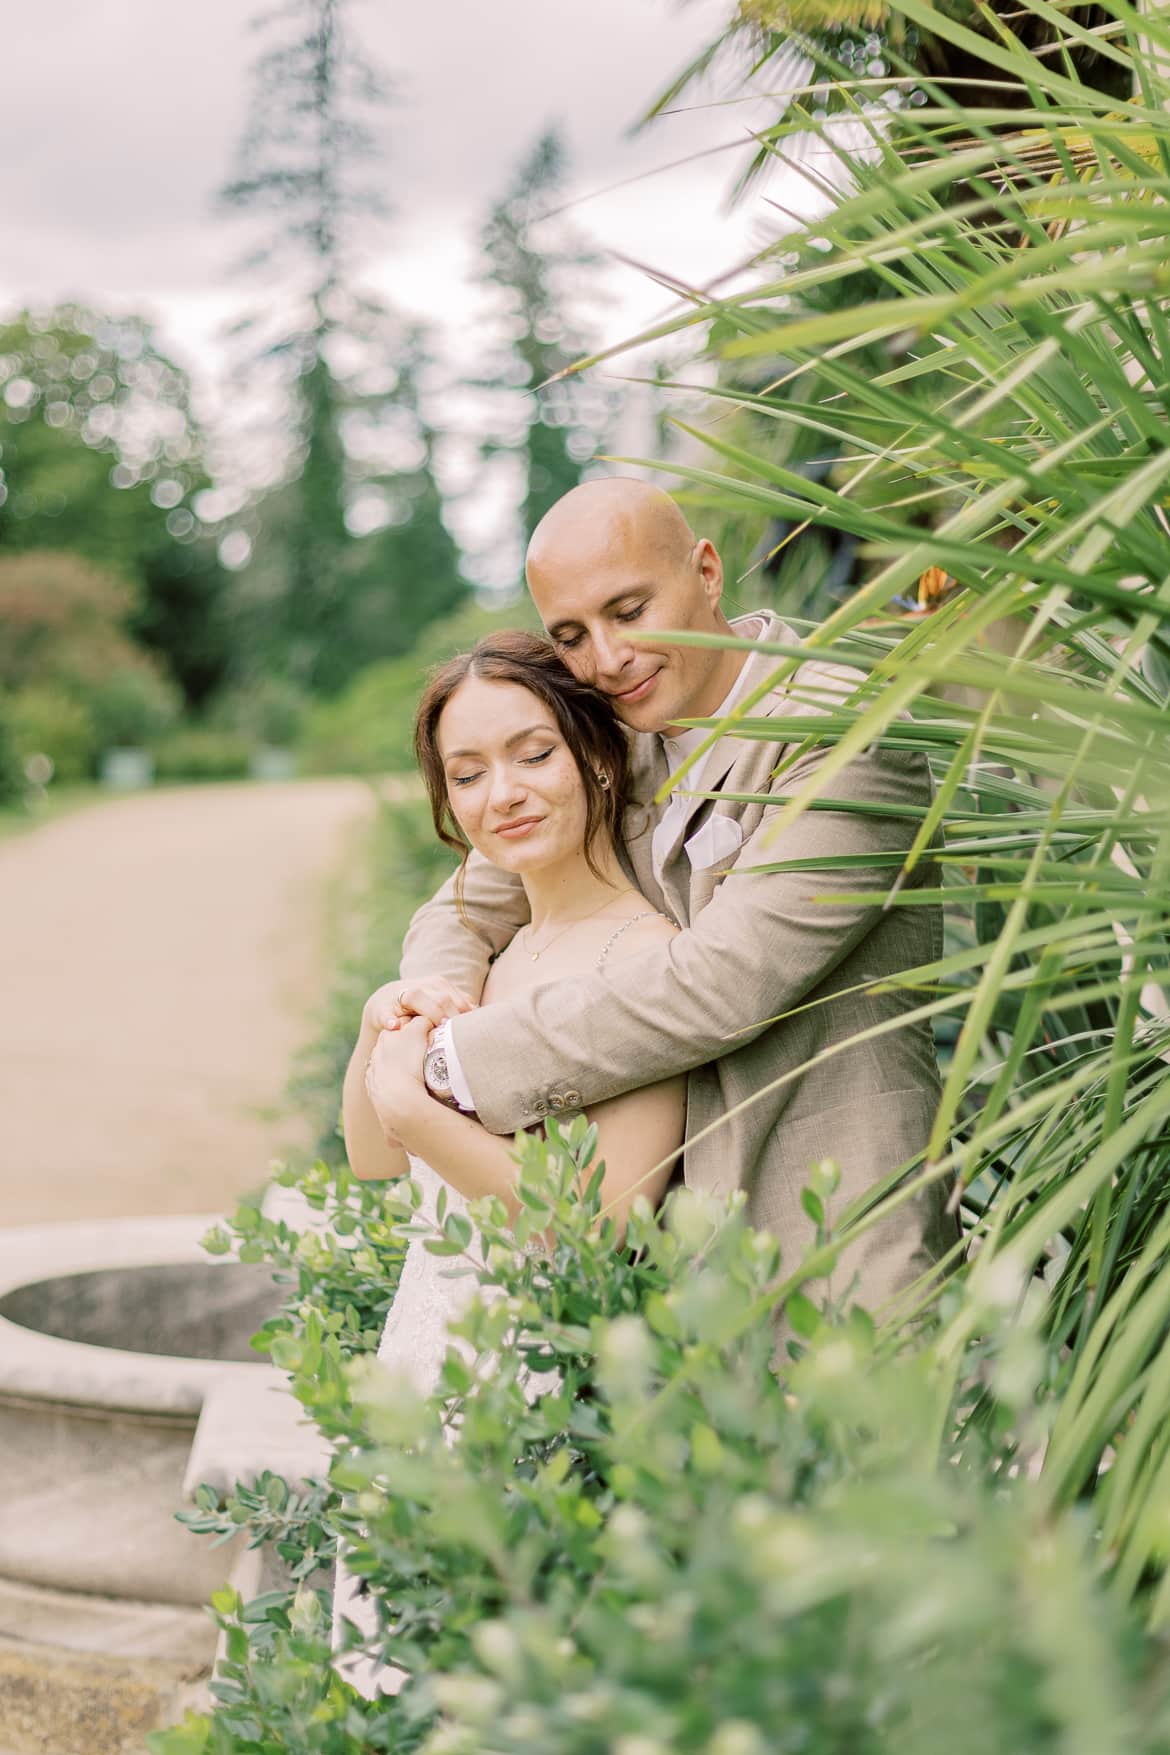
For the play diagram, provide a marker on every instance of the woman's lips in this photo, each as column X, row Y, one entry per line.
column 522, row 826
column 640, row 692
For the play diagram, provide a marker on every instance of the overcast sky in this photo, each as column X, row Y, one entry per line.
column 122, row 119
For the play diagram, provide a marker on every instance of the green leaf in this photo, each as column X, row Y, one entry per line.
column 287, row 1353
column 812, row 1205
column 802, row 1314
column 707, row 1452
column 662, row 1316
column 457, row 1229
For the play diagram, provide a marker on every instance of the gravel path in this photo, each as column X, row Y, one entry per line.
column 161, row 960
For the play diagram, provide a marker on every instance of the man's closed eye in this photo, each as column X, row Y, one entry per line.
column 629, row 615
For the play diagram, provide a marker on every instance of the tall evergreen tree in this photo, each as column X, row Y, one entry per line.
column 304, row 165
column 411, row 559
column 534, row 273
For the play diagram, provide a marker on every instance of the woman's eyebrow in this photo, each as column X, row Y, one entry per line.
column 516, row 737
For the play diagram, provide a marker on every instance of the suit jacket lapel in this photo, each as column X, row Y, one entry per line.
column 722, row 757
column 648, row 771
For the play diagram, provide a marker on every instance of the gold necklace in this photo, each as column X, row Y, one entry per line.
column 536, row 955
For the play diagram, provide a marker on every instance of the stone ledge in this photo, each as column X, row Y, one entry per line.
column 242, row 1433
column 55, row 1702
column 104, row 1626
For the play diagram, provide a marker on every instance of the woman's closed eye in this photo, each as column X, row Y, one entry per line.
column 526, row 761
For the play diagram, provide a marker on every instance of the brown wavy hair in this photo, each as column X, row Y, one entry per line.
column 585, row 719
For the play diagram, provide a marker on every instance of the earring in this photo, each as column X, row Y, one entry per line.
column 603, row 779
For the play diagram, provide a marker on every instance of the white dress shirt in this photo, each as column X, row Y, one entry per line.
column 680, row 807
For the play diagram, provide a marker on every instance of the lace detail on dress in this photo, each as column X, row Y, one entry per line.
column 432, row 1291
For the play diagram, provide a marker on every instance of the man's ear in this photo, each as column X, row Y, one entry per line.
column 706, row 559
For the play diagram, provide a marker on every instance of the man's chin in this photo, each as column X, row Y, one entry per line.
column 638, row 720
column 652, row 713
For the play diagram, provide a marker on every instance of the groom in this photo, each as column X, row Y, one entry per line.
column 758, row 996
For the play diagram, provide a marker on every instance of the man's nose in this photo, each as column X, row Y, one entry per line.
column 612, row 652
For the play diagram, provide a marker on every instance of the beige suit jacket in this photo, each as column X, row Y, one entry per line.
column 757, row 946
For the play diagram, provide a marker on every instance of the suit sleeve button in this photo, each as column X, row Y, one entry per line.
column 556, row 1101
column 572, row 1099
column 539, row 1106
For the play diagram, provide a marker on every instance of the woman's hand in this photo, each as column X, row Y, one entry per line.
column 394, row 1075
column 433, row 998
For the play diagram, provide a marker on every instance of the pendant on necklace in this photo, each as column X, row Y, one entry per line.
column 535, row 955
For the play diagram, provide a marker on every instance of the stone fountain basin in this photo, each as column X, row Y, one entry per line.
column 125, row 1377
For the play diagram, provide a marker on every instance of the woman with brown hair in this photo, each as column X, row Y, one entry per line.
column 525, row 768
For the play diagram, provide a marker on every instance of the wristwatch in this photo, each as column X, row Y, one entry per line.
column 437, row 1078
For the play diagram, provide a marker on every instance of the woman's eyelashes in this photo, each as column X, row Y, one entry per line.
column 526, row 761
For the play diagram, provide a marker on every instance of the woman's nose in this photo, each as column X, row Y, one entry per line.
column 507, row 788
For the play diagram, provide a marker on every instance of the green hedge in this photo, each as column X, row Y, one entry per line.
column 48, row 719
column 676, row 1550
column 403, row 864
column 200, row 753
column 12, row 781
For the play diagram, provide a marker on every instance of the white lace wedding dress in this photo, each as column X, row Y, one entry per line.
column 414, row 1342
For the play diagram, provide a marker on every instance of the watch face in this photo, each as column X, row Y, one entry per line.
column 435, row 1074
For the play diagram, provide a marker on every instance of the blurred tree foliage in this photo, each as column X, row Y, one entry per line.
column 369, row 727
column 75, row 681
column 409, row 577
column 101, row 455
column 552, row 429
column 352, row 555
column 64, row 620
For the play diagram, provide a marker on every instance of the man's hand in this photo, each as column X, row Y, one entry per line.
column 394, row 1075
column 433, row 998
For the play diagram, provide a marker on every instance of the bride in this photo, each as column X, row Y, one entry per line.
column 526, row 766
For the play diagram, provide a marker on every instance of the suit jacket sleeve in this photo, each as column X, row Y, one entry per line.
column 761, row 944
column 441, row 940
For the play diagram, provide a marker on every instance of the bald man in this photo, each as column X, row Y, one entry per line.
column 762, row 995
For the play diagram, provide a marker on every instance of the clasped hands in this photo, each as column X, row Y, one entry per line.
column 403, row 1014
